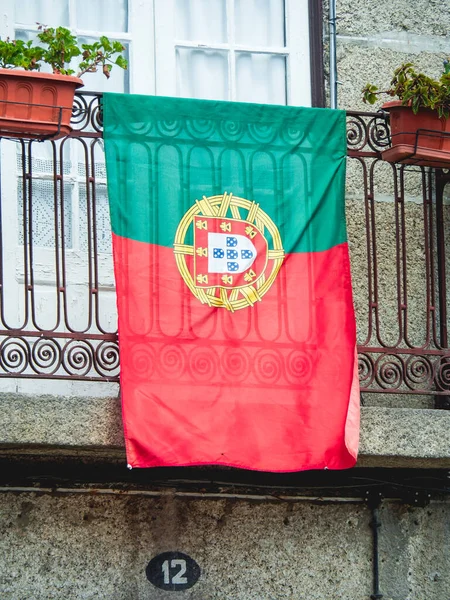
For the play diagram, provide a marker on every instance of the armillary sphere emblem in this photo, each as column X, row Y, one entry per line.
column 228, row 251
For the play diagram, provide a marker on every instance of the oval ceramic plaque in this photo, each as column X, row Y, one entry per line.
column 173, row 571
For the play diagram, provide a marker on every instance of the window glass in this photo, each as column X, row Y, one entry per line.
column 202, row 74
column 201, row 20
column 260, row 78
column 47, row 12
column 102, row 15
column 259, row 22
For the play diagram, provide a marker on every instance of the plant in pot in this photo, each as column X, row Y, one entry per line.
column 36, row 104
column 419, row 118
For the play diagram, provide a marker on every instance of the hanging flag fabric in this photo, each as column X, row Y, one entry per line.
column 236, row 321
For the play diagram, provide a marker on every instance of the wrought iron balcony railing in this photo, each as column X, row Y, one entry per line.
column 57, row 303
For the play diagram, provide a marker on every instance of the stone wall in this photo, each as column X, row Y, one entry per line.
column 85, row 545
column 375, row 37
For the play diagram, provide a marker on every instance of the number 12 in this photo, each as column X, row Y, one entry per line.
column 178, row 578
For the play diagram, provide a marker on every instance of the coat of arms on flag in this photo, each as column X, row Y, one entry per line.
column 237, row 332
column 230, row 264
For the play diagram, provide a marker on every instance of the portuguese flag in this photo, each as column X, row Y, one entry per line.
column 236, row 321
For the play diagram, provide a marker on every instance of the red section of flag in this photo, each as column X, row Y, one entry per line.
column 182, row 364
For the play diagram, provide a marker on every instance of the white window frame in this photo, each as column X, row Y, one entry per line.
column 296, row 50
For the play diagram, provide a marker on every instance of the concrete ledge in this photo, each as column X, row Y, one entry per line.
column 402, row 437
column 68, row 426
column 60, row 421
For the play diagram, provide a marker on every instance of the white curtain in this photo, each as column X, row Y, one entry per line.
column 102, row 15
column 202, row 74
column 91, row 15
column 260, row 78
column 259, row 22
column 201, row 20
column 47, row 12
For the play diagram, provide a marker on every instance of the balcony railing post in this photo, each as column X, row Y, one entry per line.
column 441, row 180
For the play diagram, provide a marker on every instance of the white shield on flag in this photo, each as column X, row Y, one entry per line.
column 230, row 253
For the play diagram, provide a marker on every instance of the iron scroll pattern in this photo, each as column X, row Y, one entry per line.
column 395, row 372
column 59, row 358
column 92, row 354
column 403, row 366
column 87, row 116
column 63, row 351
column 367, row 133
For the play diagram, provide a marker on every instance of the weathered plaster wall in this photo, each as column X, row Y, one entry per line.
column 90, row 546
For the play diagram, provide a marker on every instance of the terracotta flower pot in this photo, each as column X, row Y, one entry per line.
column 36, row 105
column 427, row 147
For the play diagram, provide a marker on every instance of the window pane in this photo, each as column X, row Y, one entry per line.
column 201, row 20
column 97, row 82
column 260, row 78
column 259, row 22
column 102, row 15
column 202, row 74
column 47, row 12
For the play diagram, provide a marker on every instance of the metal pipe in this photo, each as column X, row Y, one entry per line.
column 441, row 179
column 375, row 524
column 333, row 63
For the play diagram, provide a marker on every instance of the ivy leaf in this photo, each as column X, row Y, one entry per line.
column 106, row 43
column 121, row 62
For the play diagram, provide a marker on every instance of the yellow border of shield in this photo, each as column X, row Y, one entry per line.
column 218, row 206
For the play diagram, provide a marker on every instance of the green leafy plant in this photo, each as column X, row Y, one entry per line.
column 20, row 54
column 59, row 47
column 415, row 89
column 101, row 54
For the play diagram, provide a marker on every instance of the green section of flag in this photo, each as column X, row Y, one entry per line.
column 163, row 154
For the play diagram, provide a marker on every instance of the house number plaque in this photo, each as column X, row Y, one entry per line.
column 173, row 571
